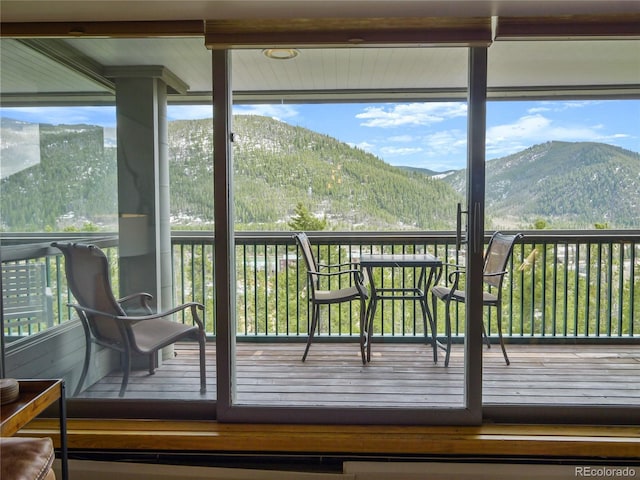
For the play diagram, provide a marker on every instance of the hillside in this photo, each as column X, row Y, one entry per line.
column 568, row 185
column 276, row 166
column 71, row 179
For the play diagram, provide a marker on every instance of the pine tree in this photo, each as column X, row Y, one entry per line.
column 303, row 220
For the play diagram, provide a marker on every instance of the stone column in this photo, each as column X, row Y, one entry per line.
column 143, row 180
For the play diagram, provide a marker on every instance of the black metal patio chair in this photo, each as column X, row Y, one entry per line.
column 317, row 275
column 106, row 322
column 495, row 263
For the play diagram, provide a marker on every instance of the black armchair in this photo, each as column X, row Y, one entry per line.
column 106, row 322
column 495, row 264
column 357, row 291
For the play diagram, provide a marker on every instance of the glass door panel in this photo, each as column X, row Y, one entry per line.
column 360, row 178
column 568, row 305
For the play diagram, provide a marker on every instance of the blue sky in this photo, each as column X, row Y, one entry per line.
column 426, row 135
column 433, row 135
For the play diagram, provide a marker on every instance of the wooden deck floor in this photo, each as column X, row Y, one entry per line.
column 399, row 375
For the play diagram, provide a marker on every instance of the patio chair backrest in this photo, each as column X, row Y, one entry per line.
column 307, row 253
column 87, row 270
column 497, row 257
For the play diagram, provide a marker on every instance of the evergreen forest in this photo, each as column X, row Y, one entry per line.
column 68, row 181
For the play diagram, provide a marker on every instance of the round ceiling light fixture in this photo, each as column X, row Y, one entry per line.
column 281, row 53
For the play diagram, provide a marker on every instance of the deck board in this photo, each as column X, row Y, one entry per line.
column 399, row 375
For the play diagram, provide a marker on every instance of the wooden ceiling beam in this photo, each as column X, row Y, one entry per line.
column 104, row 29
column 347, row 32
column 569, row 27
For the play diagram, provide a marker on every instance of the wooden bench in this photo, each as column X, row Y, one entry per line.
column 27, row 303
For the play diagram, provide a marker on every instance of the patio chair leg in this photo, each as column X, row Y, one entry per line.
column 365, row 326
column 312, row 331
column 126, row 370
column 152, row 362
column 448, row 332
column 485, row 336
column 203, row 372
column 365, row 333
column 85, row 367
column 370, row 315
column 423, row 306
column 504, row 350
column 434, row 326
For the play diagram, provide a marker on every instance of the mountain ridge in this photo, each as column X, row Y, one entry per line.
column 277, row 166
column 352, row 188
column 569, row 184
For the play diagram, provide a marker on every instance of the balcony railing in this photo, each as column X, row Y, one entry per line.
column 564, row 286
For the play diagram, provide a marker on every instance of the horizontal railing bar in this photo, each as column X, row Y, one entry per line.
column 271, row 280
column 31, row 245
column 537, row 339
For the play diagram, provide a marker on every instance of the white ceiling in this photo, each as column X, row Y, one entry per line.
column 58, row 71
column 516, row 69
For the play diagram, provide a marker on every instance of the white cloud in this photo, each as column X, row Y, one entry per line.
column 411, row 114
column 531, row 129
column 529, row 126
column 538, row 110
column 399, row 151
column 576, row 104
column 503, row 149
column 189, row 112
column 510, row 138
column 103, row 116
column 402, row 138
column 434, row 148
column 556, row 106
column 366, row 146
column 446, row 142
column 277, row 112
column 540, row 128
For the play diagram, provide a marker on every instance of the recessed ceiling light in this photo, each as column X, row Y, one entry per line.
column 280, row 53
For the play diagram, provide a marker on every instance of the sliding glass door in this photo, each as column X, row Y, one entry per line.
column 358, row 171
